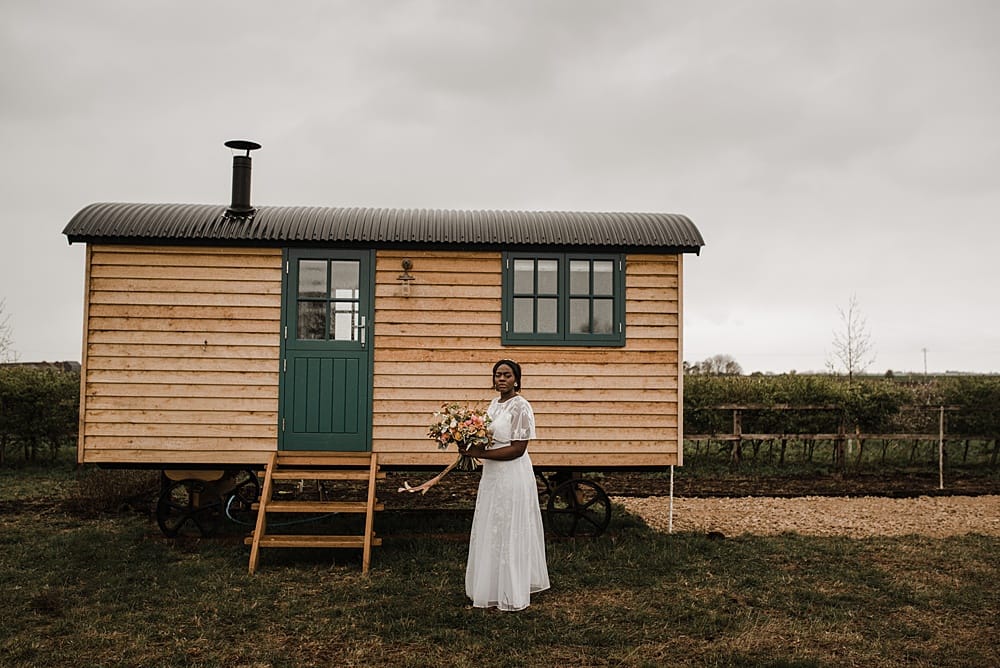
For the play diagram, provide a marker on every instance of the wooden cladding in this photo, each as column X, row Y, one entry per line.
column 181, row 355
column 182, row 346
column 595, row 407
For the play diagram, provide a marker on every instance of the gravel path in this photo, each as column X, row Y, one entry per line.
column 857, row 517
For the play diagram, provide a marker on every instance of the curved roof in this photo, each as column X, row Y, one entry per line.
column 298, row 225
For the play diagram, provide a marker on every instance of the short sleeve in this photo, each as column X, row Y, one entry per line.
column 522, row 420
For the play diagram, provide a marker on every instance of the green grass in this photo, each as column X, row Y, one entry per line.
column 108, row 589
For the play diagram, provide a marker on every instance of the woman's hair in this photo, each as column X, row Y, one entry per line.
column 515, row 367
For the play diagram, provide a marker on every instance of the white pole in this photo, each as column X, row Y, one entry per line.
column 941, row 450
column 670, row 519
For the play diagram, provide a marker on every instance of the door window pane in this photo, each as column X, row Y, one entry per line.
column 344, row 279
column 311, row 321
column 312, row 279
column 345, row 318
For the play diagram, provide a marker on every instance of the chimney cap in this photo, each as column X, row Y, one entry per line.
column 243, row 145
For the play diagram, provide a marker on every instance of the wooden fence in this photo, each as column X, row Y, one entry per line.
column 844, row 438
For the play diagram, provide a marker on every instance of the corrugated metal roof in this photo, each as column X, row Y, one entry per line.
column 296, row 225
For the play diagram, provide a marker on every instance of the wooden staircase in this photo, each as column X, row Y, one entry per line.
column 319, row 467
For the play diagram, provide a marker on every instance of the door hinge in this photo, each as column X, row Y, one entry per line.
column 286, row 332
column 284, row 365
column 286, row 266
column 282, row 424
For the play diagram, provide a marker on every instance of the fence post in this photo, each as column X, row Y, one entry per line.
column 838, row 445
column 737, row 452
column 941, row 449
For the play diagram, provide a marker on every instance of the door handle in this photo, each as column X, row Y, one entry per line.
column 361, row 327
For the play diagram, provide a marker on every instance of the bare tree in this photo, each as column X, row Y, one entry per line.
column 6, row 336
column 852, row 343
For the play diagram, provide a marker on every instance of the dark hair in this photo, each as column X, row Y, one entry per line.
column 515, row 367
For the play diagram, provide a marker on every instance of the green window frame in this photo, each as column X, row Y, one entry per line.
column 564, row 299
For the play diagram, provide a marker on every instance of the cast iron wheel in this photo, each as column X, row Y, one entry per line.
column 188, row 508
column 578, row 507
column 240, row 500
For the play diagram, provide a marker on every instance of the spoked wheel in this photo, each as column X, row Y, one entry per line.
column 240, row 500
column 189, row 508
column 578, row 507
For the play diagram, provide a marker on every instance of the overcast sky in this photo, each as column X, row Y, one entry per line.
column 824, row 149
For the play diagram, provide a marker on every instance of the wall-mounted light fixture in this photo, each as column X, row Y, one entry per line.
column 406, row 277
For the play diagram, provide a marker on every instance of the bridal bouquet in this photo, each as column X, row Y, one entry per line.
column 463, row 426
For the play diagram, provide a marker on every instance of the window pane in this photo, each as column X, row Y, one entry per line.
column 311, row 320
column 344, row 277
column 579, row 277
column 604, row 277
column 524, row 277
column 579, row 316
column 312, row 278
column 603, row 316
column 548, row 310
column 548, row 277
column 342, row 327
column 524, row 316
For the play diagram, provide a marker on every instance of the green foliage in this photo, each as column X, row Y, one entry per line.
column 871, row 404
column 978, row 399
column 39, row 411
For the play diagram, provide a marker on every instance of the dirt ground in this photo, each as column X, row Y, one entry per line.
column 857, row 517
column 857, row 506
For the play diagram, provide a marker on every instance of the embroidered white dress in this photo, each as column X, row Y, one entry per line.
column 507, row 546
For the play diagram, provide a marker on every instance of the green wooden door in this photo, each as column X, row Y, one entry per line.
column 326, row 356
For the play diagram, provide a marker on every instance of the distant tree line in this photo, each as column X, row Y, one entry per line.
column 39, row 411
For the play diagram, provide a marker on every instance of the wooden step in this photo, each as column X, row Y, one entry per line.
column 305, row 474
column 308, row 458
column 316, row 540
column 319, row 506
column 317, row 466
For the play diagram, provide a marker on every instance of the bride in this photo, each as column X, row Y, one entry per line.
column 507, row 546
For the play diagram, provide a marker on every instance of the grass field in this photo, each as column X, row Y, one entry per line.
column 107, row 589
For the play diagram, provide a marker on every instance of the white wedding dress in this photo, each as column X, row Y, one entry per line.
column 507, row 545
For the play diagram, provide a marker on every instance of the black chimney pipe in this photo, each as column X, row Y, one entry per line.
column 240, row 205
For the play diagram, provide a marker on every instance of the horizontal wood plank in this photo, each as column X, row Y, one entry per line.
column 184, row 351
column 201, row 448
column 183, row 338
column 173, row 272
column 185, row 298
column 240, row 403
column 163, row 324
column 183, row 377
column 225, row 417
column 182, row 431
column 272, row 313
